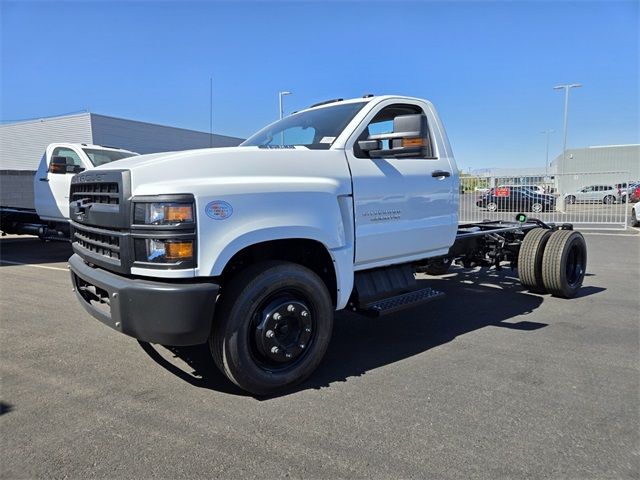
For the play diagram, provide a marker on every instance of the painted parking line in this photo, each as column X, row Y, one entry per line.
column 34, row 266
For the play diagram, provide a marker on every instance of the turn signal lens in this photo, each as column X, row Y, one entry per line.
column 178, row 251
column 413, row 142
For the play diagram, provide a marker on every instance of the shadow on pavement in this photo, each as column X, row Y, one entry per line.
column 359, row 344
column 33, row 250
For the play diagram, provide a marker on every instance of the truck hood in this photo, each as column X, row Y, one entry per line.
column 246, row 168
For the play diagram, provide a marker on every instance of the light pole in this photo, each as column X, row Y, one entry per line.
column 281, row 112
column 546, row 163
column 566, row 88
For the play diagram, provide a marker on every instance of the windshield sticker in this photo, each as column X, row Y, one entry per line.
column 218, row 210
column 327, row 139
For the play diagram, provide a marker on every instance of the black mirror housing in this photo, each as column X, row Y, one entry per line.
column 410, row 138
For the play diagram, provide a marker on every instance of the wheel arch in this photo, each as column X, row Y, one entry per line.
column 333, row 266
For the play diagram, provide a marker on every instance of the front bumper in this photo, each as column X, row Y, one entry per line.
column 169, row 313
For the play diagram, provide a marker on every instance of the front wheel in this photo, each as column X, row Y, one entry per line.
column 492, row 206
column 634, row 218
column 537, row 207
column 272, row 328
column 570, row 200
column 609, row 199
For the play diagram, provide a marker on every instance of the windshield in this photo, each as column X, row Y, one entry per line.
column 315, row 129
column 100, row 157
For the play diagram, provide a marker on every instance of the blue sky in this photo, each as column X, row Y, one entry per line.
column 489, row 67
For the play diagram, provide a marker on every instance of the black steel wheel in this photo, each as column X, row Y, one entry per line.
column 530, row 259
column 564, row 263
column 272, row 327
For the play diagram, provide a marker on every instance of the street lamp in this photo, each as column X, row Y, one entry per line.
column 566, row 88
column 546, row 163
column 281, row 112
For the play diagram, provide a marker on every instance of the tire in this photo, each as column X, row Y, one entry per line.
column 609, row 199
column 537, row 207
column 492, row 206
column 243, row 338
column 564, row 263
column 530, row 259
column 570, row 200
column 439, row 267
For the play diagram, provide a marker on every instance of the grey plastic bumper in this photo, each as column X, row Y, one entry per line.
column 168, row 313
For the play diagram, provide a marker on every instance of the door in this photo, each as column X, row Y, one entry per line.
column 51, row 188
column 405, row 208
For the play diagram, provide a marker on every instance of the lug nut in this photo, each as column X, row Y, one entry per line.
column 302, row 345
column 275, row 350
column 291, row 308
column 308, row 329
column 288, row 355
column 269, row 334
column 277, row 316
column 304, row 313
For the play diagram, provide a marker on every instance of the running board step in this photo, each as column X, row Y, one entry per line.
column 400, row 302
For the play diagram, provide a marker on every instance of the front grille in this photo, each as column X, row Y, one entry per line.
column 101, row 242
column 102, row 192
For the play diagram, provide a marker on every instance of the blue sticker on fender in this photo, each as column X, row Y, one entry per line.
column 218, row 210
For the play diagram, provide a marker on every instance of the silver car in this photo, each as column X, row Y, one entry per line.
column 593, row 193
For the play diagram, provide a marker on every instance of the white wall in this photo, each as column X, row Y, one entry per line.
column 22, row 144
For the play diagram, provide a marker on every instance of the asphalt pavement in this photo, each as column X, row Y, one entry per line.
column 489, row 382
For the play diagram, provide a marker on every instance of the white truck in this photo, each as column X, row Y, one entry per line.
column 253, row 248
column 40, row 205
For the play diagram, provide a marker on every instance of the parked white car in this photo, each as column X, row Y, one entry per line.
column 593, row 193
column 635, row 215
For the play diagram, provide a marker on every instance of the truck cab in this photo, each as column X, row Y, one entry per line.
column 58, row 164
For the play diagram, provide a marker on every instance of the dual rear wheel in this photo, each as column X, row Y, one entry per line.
column 553, row 262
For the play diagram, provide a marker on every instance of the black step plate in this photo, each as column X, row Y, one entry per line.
column 400, row 302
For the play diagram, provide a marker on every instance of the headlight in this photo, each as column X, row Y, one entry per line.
column 164, row 251
column 163, row 213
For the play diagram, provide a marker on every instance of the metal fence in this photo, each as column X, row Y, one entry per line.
column 587, row 200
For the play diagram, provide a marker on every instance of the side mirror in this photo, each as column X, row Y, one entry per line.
column 64, row 165
column 58, row 165
column 410, row 138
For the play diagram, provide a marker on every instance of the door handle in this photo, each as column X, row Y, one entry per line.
column 440, row 173
column 43, row 179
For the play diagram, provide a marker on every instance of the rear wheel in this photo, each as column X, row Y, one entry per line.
column 570, row 199
column 609, row 199
column 492, row 206
column 530, row 259
column 564, row 263
column 273, row 327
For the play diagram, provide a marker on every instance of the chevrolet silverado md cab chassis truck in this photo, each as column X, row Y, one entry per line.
column 253, row 248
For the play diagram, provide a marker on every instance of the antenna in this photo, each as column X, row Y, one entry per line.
column 210, row 112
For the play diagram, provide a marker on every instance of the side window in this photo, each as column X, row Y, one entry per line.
column 69, row 154
column 383, row 123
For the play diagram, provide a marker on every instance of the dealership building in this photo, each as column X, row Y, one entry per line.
column 23, row 143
